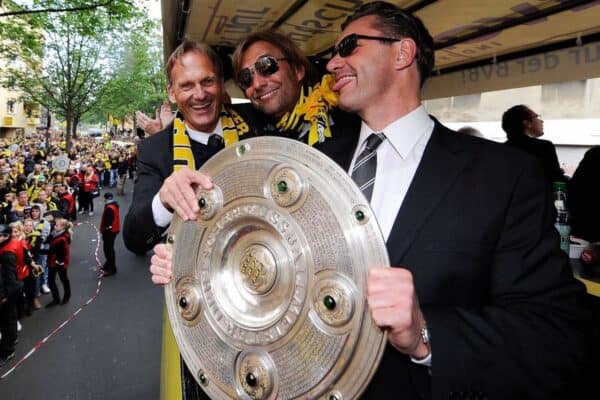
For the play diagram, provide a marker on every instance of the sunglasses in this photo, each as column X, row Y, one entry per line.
column 265, row 65
column 349, row 43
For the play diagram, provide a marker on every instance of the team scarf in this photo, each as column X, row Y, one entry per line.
column 312, row 108
column 233, row 126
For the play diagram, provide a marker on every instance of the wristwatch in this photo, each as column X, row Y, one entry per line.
column 425, row 335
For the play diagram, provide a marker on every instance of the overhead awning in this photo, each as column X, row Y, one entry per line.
column 480, row 45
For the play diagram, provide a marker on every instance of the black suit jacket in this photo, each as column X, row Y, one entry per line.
column 544, row 151
column 155, row 164
column 501, row 304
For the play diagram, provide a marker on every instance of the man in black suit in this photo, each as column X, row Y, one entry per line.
column 195, row 84
column 480, row 302
column 523, row 129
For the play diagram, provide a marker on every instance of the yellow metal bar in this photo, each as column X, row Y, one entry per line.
column 170, row 370
column 592, row 287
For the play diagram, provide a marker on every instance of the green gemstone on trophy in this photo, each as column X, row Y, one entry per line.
column 203, row 379
column 202, row 202
column 359, row 215
column 183, row 302
column 333, row 397
column 282, row 186
column 329, row 302
column 242, row 149
column 170, row 239
column 251, row 379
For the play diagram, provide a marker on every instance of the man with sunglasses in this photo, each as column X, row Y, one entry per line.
column 480, row 301
column 280, row 81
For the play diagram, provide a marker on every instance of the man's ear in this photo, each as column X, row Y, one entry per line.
column 405, row 52
column 300, row 72
column 171, row 94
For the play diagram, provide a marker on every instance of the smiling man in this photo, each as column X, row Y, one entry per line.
column 167, row 161
column 289, row 98
column 480, row 302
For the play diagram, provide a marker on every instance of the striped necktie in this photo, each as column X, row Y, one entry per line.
column 365, row 167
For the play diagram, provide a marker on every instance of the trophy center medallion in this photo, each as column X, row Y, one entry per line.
column 258, row 269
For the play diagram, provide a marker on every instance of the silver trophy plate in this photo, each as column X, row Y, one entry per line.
column 61, row 163
column 267, row 299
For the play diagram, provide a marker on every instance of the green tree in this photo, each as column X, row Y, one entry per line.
column 70, row 75
column 137, row 81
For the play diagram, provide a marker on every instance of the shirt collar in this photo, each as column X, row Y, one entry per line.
column 202, row 137
column 404, row 132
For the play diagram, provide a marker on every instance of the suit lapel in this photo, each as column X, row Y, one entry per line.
column 440, row 166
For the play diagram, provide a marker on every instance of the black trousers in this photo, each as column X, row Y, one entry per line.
column 64, row 279
column 8, row 324
column 108, row 245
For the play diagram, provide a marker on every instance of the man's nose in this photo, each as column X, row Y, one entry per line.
column 335, row 63
column 258, row 80
column 199, row 92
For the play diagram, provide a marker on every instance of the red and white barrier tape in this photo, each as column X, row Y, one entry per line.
column 39, row 344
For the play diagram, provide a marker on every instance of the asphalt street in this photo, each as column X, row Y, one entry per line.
column 111, row 348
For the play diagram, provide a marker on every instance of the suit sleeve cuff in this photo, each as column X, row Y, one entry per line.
column 162, row 216
column 424, row 361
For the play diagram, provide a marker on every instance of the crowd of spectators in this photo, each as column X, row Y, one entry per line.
column 43, row 189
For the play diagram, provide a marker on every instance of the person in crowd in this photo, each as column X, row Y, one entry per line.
column 523, row 128
column 110, row 227
column 25, row 270
column 477, row 272
column 20, row 205
column 89, row 187
column 163, row 118
column 58, row 261
column 42, row 225
column 583, row 195
column 34, row 241
column 9, row 288
column 469, row 130
column 122, row 169
column 66, row 202
column 45, row 202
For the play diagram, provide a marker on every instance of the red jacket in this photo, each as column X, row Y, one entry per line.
column 71, row 201
column 110, row 218
column 18, row 248
column 60, row 250
column 90, row 183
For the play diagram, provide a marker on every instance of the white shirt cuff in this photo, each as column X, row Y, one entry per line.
column 162, row 216
column 424, row 361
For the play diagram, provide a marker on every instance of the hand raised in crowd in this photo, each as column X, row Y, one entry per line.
column 149, row 125
column 161, row 265
column 177, row 192
column 165, row 114
column 394, row 306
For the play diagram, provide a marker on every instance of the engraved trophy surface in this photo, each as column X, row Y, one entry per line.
column 267, row 299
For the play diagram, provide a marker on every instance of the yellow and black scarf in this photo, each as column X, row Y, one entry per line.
column 233, row 126
column 312, row 108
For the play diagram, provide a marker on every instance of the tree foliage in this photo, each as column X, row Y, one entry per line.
column 67, row 69
column 137, row 81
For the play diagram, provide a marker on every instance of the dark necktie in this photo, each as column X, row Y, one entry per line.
column 365, row 167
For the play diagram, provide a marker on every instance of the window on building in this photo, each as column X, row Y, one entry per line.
column 10, row 106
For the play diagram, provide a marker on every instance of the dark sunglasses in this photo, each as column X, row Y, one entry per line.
column 265, row 65
column 347, row 45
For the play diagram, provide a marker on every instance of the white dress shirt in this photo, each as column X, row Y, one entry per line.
column 162, row 216
column 397, row 160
